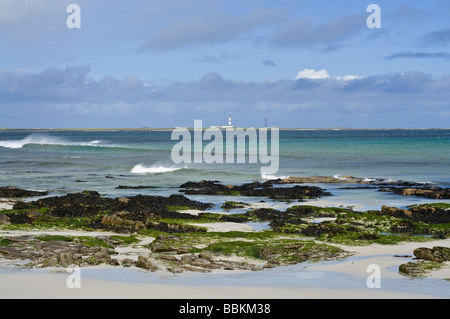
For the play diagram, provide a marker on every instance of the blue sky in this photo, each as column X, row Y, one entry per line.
column 165, row 63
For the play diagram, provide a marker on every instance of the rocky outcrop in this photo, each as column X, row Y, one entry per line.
column 437, row 253
column 329, row 229
column 55, row 253
column 343, row 180
column 404, row 188
column 255, row 189
column 429, row 259
column 135, row 187
column 426, row 214
column 13, row 192
column 300, row 252
column 427, row 192
column 233, row 205
column 122, row 214
column 146, row 263
column 90, row 203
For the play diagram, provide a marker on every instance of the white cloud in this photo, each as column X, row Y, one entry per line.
column 323, row 74
column 312, row 74
column 70, row 96
column 349, row 77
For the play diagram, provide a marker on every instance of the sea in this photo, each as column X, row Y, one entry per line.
column 64, row 161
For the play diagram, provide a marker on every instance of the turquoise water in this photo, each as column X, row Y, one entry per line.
column 64, row 161
column 417, row 155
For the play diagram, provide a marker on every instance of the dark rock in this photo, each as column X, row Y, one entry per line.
column 4, row 219
column 234, row 218
column 368, row 237
column 173, row 228
column 344, row 180
column 146, row 263
column 233, row 205
column 20, row 218
column 135, row 187
column 426, row 214
column 56, row 253
column 425, row 191
column 323, row 228
column 438, row 253
column 12, row 192
column 413, row 269
column 254, row 189
column 121, row 225
column 404, row 227
column 265, row 214
column 168, row 258
column 91, row 203
column 127, row 262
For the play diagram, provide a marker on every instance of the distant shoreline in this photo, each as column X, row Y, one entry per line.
column 190, row 128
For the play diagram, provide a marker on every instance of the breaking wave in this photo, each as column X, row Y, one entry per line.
column 36, row 139
column 270, row 177
column 141, row 169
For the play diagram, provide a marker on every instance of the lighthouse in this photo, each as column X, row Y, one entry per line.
column 229, row 123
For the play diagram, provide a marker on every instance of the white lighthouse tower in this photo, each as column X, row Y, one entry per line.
column 229, row 123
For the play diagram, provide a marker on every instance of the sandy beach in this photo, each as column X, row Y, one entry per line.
column 329, row 280
column 5, row 205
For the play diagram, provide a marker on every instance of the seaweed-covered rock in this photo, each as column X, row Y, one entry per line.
column 437, row 253
column 429, row 259
column 414, row 269
column 323, row 228
column 299, row 252
column 122, row 225
column 233, row 205
column 89, row 203
column 146, row 263
column 425, row 191
column 53, row 253
column 13, row 192
column 255, row 189
column 344, row 180
column 4, row 219
column 426, row 214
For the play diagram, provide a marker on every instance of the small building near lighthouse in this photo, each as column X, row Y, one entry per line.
column 229, row 123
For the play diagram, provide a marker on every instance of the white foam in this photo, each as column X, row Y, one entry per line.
column 141, row 169
column 38, row 139
column 269, row 176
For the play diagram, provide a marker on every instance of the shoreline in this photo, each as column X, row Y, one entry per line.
column 341, row 277
column 328, row 280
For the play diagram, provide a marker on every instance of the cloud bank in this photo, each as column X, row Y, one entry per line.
column 66, row 97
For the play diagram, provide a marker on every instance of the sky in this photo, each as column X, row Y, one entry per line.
column 166, row 63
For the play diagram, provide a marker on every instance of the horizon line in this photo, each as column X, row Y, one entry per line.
column 191, row 128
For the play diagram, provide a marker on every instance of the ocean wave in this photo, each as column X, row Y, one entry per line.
column 141, row 169
column 269, row 176
column 36, row 139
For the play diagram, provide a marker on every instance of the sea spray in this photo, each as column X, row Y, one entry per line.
column 38, row 139
column 141, row 169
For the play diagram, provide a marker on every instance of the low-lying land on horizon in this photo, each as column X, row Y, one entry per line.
column 191, row 128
